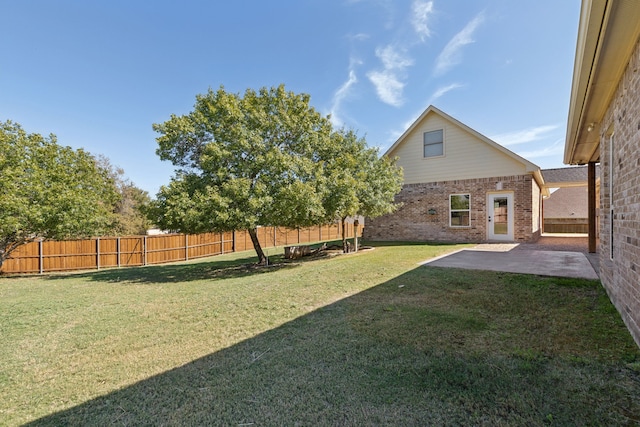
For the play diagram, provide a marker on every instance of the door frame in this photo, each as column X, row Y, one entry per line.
column 510, row 216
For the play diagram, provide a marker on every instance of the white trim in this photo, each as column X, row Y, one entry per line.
column 607, row 34
column 443, row 144
column 460, row 210
column 509, row 236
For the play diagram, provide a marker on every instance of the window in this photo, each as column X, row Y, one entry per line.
column 459, row 209
column 434, row 143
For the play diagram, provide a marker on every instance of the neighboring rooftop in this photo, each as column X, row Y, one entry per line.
column 569, row 202
column 569, row 176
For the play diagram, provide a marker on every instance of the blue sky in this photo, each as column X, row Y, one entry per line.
column 98, row 74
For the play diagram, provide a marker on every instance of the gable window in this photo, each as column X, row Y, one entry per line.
column 459, row 210
column 434, row 143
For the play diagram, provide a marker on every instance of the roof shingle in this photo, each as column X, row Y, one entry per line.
column 571, row 174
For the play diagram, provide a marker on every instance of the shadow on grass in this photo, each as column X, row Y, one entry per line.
column 426, row 348
column 409, row 243
column 216, row 269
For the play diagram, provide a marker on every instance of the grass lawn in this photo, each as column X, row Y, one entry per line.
column 363, row 339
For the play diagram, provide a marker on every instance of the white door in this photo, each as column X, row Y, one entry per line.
column 500, row 216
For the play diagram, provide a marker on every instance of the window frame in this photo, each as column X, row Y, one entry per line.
column 424, row 144
column 468, row 210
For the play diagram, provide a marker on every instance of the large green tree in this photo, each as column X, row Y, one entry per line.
column 242, row 162
column 48, row 191
column 266, row 158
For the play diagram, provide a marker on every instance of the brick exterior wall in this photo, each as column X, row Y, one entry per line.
column 620, row 274
column 414, row 222
column 536, row 209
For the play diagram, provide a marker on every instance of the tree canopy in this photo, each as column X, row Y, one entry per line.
column 265, row 158
column 359, row 182
column 131, row 207
column 48, row 191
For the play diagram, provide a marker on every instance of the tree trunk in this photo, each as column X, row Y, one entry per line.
column 355, row 235
column 8, row 244
column 262, row 258
column 345, row 244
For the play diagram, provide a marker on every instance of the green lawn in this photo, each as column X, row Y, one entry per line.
column 365, row 339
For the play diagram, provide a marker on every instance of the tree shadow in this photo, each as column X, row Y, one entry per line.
column 344, row 365
column 215, row 269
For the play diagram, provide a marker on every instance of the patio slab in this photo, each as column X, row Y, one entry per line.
column 507, row 258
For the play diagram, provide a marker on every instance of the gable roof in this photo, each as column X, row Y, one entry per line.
column 607, row 34
column 529, row 166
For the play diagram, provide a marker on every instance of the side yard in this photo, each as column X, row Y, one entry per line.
column 368, row 338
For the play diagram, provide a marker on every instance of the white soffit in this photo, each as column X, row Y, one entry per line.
column 607, row 35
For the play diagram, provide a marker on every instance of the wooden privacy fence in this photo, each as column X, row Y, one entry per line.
column 566, row 225
column 102, row 252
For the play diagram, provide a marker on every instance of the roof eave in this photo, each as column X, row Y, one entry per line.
column 586, row 46
column 607, row 34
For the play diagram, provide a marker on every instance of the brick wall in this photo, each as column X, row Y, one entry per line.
column 620, row 274
column 424, row 215
column 536, row 208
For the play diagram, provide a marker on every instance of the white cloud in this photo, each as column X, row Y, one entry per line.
column 358, row 37
column 388, row 81
column 524, row 136
column 443, row 90
column 388, row 87
column 556, row 149
column 451, row 55
column 421, row 12
column 342, row 93
column 392, row 58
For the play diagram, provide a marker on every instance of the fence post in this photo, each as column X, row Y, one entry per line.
column 233, row 241
column 144, row 250
column 97, row 253
column 118, row 250
column 275, row 236
column 40, row 257
column 186, row 247
column 222, row 243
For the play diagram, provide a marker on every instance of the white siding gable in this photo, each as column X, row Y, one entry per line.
column 467, row 154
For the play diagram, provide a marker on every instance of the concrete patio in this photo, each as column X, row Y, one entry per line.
column 552, row 255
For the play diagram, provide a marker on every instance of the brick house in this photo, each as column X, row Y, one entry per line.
column 604, row 127
column 460, row 186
